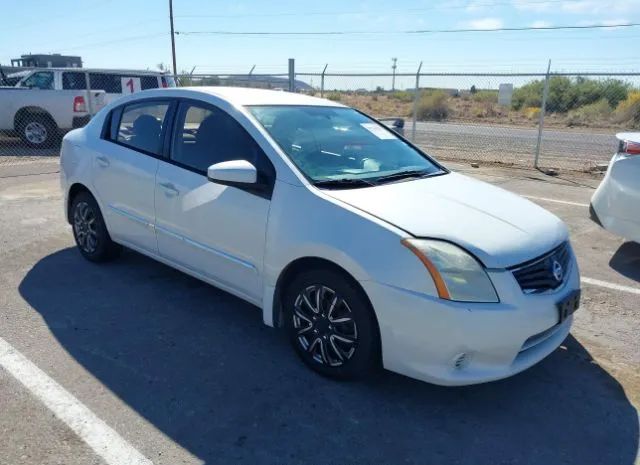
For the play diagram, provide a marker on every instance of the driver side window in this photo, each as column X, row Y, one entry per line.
column 42, row 80
column 206, row 135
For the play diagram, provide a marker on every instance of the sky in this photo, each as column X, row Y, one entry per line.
column 135, row 34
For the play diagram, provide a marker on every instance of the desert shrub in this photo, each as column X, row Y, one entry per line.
column 485, row 96
column 402, row 95
column 374, row 98
column 614, row 91
column 628, row 111
column 595, row 112
column 335, row 96
column 433, row 106
column 531, row 112
column 568, row 94
column 528, row 95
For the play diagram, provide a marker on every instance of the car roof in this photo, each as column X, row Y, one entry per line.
column 140, row 72
column 244, row 96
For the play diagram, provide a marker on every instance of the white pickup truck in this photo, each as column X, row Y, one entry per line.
column 40, row 116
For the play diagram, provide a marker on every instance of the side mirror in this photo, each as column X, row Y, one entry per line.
column 233, row 172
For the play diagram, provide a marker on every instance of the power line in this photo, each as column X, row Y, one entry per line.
column 419, row 31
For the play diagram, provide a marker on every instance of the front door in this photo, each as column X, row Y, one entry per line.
column 214, row 230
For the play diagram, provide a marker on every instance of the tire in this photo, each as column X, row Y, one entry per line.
column 89, row 230
column 38, row 131
column 320, row 338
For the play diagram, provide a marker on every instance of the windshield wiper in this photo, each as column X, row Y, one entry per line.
column 347, row 183
column 403, row 175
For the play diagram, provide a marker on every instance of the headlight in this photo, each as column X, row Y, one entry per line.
column 456, row 274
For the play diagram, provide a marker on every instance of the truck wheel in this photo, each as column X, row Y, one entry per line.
column 38, row 131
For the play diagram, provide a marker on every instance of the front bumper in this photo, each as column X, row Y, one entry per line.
column 456, row 343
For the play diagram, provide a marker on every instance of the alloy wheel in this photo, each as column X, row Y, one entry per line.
column 85, row 227
column 325, row 326
column 35, row 132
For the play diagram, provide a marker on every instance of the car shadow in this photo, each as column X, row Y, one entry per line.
column 200, row 366
column 626, row 260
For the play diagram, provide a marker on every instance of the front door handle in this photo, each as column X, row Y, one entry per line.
column 103, row 161
column 169, row 189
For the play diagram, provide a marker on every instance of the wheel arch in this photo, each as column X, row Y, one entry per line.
column 298, row 265
column 74, row 190
column 24, row 112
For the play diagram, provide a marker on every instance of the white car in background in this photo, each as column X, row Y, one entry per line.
column 616, row 203
column 365, row 249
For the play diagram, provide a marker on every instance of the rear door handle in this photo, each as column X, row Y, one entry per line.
column 169, row 189
column 103, row 161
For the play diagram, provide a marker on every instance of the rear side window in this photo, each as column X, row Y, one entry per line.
column 141, row 124
column 73, row 81
column 110, row 83
column 148, row 82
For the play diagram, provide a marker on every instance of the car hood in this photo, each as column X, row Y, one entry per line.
column 500, row 228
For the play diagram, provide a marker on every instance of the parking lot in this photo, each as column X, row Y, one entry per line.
column 133, row 362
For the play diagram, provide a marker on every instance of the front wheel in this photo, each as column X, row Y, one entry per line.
column 331, row 325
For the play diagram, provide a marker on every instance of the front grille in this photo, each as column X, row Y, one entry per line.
column 541, row 274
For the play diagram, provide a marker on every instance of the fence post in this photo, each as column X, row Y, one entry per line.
column 322, row 81
column 416, row 98
column 543, row 109
column 89, row 99
column 249, row 77
column 292, row 75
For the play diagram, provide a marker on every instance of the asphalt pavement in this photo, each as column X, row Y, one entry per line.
column 179, row 372
column 573, row 149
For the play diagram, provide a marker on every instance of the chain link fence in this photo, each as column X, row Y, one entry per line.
column 38, row 106
column 565, row 121
column 562, row 121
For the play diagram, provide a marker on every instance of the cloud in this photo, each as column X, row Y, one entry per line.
column 529, row 5
column 580, row 7
column 541, row 23
column 475, row 6
column 485, row 23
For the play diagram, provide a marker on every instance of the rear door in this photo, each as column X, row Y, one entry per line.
column 124, row 171
column 213, row 230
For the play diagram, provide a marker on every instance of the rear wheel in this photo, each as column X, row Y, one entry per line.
column 331, row 325
column 90, row 231
column 38, row 131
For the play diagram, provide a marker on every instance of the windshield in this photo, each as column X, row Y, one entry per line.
column 339, row 145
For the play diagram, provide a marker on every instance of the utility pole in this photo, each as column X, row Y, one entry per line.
column 173, row 42
column 393, row 80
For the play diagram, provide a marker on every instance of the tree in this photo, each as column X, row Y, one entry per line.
column 473, row 89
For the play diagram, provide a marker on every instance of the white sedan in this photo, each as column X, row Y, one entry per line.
column 616, row 203
column 368, row 251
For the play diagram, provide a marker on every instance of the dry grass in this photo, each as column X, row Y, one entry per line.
column 482, row 107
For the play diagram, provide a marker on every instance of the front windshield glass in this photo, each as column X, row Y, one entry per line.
column 331, row 144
